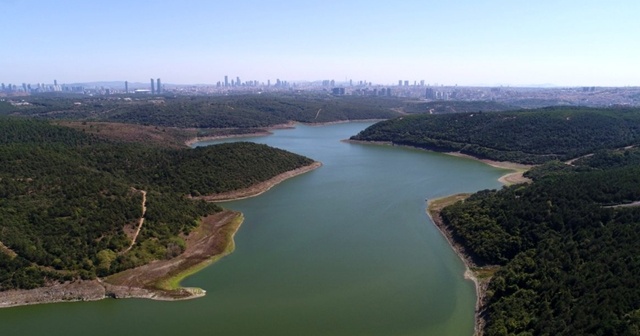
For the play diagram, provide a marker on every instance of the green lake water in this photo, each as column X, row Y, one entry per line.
column 346, row 249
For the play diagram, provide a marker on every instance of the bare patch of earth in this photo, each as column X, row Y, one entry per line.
column 4, row 249
column 202, row 244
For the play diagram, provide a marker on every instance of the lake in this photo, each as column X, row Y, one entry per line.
column 346, row 249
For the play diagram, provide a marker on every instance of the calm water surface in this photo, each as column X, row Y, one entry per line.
column 344, row 250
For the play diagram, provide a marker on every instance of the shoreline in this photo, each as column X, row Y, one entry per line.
column 163, row 276
column 514, row 177
column 326, row 123
column 119, row 286
column 195, row 140
column 266, row 131
column 472, row 271
column 260, row 188
column 480, row 276
column 289, row 125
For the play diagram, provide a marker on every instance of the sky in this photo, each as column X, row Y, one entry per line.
column 456, row 42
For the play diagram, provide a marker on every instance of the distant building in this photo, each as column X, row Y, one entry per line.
column 158, row 86
column 153, row 89
column 126, row 86
column 226, row 81
column 338, row 91
column 430, row 94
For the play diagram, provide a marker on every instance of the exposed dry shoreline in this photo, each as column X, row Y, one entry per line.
column 192, row 141
column 259, row 188
column 514, row 177
column 219, row 137
column 206, row 244
column 209, row 242
column 472, row 271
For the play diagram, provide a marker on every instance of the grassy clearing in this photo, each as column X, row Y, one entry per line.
column 485, row 273
column 4, row 249
column 437, row 204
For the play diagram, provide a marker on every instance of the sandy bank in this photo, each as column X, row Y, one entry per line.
column 515, row 177
column 259, row 188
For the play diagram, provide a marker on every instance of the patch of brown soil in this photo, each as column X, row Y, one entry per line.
column 201, row 244
column 4, row 249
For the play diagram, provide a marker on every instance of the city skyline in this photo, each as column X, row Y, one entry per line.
column 566, row 43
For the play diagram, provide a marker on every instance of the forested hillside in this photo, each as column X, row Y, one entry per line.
column 240, row 111
column 527, row 136
column 454, row 106
column 568, row 246
column 67, row 198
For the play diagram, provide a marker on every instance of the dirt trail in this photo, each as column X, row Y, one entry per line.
column 140, row 221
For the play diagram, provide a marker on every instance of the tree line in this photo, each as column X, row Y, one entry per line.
column 524, row 136
column 568, row 251
column 236, row 111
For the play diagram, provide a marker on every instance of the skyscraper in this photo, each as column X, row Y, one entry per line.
column 126, row 86
column 153, row 89
column 55, row 82
column 159, row 87
column 226, row 81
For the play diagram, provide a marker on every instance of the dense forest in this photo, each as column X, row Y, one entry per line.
column 454, row 106
column 67, row 198
column 525, row 136
column 235, row 111
column 567, row 244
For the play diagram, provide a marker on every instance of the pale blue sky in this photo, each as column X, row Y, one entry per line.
column 472, row 42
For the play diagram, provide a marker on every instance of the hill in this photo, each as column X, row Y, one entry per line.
column 525, row 136
column 69, row 202
column 566, row 244
column 240, row 111
column 453, row 106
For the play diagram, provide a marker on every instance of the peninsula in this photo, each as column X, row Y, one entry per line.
column 132, row 223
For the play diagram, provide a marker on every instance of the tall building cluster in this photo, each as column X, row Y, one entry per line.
column 28, row 88
column 156, row 86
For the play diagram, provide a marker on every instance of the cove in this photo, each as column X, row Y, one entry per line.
column 346, row 249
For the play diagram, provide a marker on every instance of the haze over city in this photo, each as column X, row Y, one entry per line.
column 564, row 43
